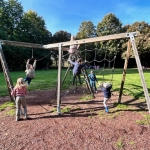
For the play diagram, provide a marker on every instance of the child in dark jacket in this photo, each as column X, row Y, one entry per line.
column 106, row 88
column 77, row 69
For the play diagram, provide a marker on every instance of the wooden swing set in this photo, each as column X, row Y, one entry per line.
column 60, row 47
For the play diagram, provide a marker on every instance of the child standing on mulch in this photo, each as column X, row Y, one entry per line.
column 93, row 80
column 19, row 91
column 106, row 88
column 30, row 71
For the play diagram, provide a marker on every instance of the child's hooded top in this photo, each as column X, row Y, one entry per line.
column 106, row 90
column 30, row 72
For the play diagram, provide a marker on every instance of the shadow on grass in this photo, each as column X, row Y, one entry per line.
column 131, row 91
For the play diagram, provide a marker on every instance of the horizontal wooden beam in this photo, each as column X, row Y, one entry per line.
column 90, row 40
column 56, row 45
column 28, row 45
column 21, row 44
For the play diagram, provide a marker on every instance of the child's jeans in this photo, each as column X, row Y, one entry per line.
column 28, row 80
column 93, row 85
column 20, row 100
column 104, row 102
column 74, row 78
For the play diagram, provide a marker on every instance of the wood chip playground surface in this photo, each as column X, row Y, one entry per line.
column 83, row 124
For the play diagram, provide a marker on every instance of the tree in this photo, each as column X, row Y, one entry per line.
column 32, row 29
column 3, row 34
column 25, row 27
column 109, row 25
column 11, row 13
column 60, row 36
column 87, row 30
column 142, row 41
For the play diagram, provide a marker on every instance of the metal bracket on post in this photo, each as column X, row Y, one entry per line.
column 139, row 66
column 131, row 34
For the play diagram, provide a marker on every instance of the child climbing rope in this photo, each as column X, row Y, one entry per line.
column 77, row 69
column 73, row 49
column 30, row 71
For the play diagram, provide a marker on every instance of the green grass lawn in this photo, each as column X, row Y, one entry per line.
column 47, row 79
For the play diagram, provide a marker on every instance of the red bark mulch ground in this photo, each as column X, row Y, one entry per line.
column 84, row 125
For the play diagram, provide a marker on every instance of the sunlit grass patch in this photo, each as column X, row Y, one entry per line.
column 120, row 106
column 66, row 109
column 86, row 98
column 10, row 112
column 92, row 112
column 53, row 110
column 102, row 114
column 77, row 107
column 6, row 105
column 119, row 144
column 114, row 115
column 47, row 79
column 145, row 120
column 8, row 108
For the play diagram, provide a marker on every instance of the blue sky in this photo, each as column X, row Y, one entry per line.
column 68, row 15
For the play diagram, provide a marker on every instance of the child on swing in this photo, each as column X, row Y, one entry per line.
column 19, row 91
column 106, row 89
column 30, row 71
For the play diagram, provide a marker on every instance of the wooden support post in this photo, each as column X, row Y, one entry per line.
column 8, row 80
column 66, row 74
column 87, row 82
column 59, row 80
column 124, row 70
column 139, row 66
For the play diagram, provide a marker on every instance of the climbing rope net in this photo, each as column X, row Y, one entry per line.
column 94, row 64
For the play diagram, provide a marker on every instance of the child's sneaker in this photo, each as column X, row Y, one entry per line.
column 106, row 110
column 26, row 118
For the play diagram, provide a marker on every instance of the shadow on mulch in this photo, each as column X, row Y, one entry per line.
column 92, row 111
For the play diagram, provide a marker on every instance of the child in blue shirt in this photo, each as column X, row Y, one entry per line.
column 93, row 79
column 106, row 89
